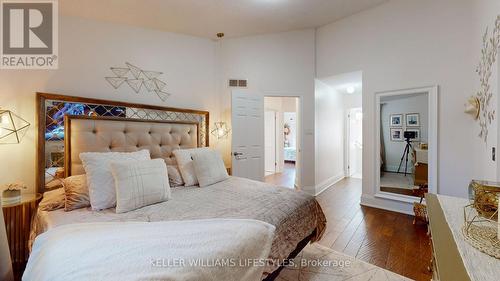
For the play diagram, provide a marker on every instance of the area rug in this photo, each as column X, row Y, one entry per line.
column 318, row 263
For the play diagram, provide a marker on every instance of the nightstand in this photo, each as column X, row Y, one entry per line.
column 17, row 218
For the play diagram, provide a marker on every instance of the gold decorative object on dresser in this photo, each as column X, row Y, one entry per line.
column 454, row 258
column 17, row 218
column 481, row 217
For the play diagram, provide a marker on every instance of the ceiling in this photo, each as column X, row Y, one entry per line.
column 342, row 81
column 207, row 17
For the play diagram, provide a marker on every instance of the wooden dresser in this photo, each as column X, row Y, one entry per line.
column 446, row 219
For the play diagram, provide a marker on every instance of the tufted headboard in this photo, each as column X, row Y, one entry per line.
column 110, row 134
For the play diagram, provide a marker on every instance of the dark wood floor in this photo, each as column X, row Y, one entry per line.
column 383, row 238
column 287, row 178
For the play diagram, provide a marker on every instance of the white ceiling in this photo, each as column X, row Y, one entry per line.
column 207, row 17
column 342, row 81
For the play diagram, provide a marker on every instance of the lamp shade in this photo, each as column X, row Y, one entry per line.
column 221, row 130
column 12, row 127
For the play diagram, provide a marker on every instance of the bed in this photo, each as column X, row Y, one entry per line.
column 290, row 154
column 297, row 216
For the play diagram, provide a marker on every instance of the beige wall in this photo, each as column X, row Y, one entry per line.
column 406, row 44
column 87, row 50
column 281, row 64
column 330, row 133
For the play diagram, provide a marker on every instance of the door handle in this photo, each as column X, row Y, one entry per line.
column 238, row 156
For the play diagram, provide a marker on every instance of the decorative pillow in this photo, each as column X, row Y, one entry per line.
column 174, row 176
column 209, row 167
column 76, row 192
column 140, row 184
column 99, row 178
column 52, row 200
column 185, row 163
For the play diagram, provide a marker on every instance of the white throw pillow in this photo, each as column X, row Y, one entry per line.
column 209, row 167
column 185, row 163
column 99, row 177
column 140, row 184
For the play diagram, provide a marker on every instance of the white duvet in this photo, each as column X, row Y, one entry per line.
column 219, row 249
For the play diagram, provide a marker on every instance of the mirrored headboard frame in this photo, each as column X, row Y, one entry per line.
column 98, row 107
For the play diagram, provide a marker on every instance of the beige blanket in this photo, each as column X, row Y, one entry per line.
column 220, row 249
column 294, row 214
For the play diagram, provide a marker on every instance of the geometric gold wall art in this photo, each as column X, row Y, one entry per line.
column 138, row 79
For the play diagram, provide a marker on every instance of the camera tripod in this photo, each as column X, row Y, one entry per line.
column 405, row 155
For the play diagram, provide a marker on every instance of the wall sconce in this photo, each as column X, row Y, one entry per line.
column 473, row 107
column 221, row 130
column 12, row 127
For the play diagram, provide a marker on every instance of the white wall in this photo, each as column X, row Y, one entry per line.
column 87, row 50
column 406, row 44
column 280, row 64
column 402, row 105
column 329, row 136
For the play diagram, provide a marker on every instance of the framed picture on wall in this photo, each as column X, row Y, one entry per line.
column 417, row 134
column 413, row 120
column 396, row 120
column 396, row 134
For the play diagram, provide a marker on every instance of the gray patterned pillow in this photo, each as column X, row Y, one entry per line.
column 139, row 184
column 76, row 192
column 174, row 176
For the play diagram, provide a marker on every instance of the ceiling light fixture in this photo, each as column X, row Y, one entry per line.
column 350, row 90
column 220, row 129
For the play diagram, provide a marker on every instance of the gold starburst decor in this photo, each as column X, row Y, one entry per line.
column 484, row 70
column 221, row 130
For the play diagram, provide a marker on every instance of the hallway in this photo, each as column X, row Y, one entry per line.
column 286, row 179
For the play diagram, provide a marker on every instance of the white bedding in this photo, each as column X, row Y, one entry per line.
column 294, row 214
column 219, row 249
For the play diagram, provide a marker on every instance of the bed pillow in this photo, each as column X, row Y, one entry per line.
column 76, row 193
column 139, row 184
column 185, row 163
column 174, row 176
column 52, row 200
column 209, row 167
column 99, row 178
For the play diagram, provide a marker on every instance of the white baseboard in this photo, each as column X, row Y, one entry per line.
column 386, row 204
column 394, row 169
column 319, row 188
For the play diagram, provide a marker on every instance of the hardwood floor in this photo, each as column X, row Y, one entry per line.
column 287, row 178
column 383, row 238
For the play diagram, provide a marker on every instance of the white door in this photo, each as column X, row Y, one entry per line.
column 248, row 135
column 355, row 142
column 270, row 142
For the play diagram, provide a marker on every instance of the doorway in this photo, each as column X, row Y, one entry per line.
column 354, row 143
column 281, row 140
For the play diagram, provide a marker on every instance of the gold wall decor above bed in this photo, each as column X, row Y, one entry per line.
column 51, row 112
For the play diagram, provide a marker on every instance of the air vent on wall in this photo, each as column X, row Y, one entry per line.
column 238, row 83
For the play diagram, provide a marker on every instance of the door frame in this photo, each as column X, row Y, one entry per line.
column 276, row 169
column 432, row 98
column 299, row 139
column 347, row 141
